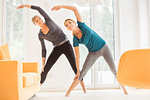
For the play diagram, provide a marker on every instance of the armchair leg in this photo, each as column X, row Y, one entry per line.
column 34, row 95
column 32, row 98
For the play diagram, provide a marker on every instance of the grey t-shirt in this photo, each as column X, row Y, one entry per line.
column 55, row 34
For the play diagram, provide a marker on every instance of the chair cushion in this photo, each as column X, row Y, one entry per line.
column 134, row 68
column 30, row 79
column 4, row 52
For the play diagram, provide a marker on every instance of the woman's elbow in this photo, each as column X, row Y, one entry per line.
column 74, row 8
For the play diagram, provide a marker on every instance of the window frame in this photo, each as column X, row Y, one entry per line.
column 94, row 69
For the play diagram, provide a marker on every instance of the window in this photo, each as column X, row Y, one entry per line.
column 86, row 16
column 14, row 29
column 104, row 26
column 100, row 19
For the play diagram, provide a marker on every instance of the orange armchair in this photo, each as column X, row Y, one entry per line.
column 134, row 68
column 18, row 81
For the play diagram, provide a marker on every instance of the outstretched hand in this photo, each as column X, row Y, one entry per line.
column 21, row 6
column 77, row 76
column 56, row 8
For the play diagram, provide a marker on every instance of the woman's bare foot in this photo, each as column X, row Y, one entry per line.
column 83, row 86
column 67, row 94
column 73, row 85
column 124, row 90
column 84, row 90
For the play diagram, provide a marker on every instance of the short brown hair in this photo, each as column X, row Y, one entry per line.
column 69, row 19
column 33, row 18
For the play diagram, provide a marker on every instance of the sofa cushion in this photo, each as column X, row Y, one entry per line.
column 4, row 52
column 30, row 79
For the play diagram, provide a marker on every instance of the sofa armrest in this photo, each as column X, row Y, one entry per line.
column 31, row 67
column 10, row 79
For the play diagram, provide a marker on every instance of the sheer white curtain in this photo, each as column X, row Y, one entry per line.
column 87, row 2
column 131, row 25
column 2, row 24
column 83, row 2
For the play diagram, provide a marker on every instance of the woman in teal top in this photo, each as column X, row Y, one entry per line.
column 90, row 40
column 96, row 46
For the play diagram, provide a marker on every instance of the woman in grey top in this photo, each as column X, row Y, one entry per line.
column 51, row 32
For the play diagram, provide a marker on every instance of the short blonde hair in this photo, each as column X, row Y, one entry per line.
column 69, row 19
column 33, row 19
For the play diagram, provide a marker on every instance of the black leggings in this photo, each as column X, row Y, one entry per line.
column 65, row 49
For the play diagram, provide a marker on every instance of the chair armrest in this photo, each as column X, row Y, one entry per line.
column 31, row 67
column 10, row 78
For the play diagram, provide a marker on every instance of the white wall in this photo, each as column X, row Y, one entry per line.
column 61, row 75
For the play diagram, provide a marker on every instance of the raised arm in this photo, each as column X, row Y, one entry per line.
column 41, row 11
column 74, row 9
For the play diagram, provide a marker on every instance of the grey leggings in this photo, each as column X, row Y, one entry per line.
column 93, row 56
